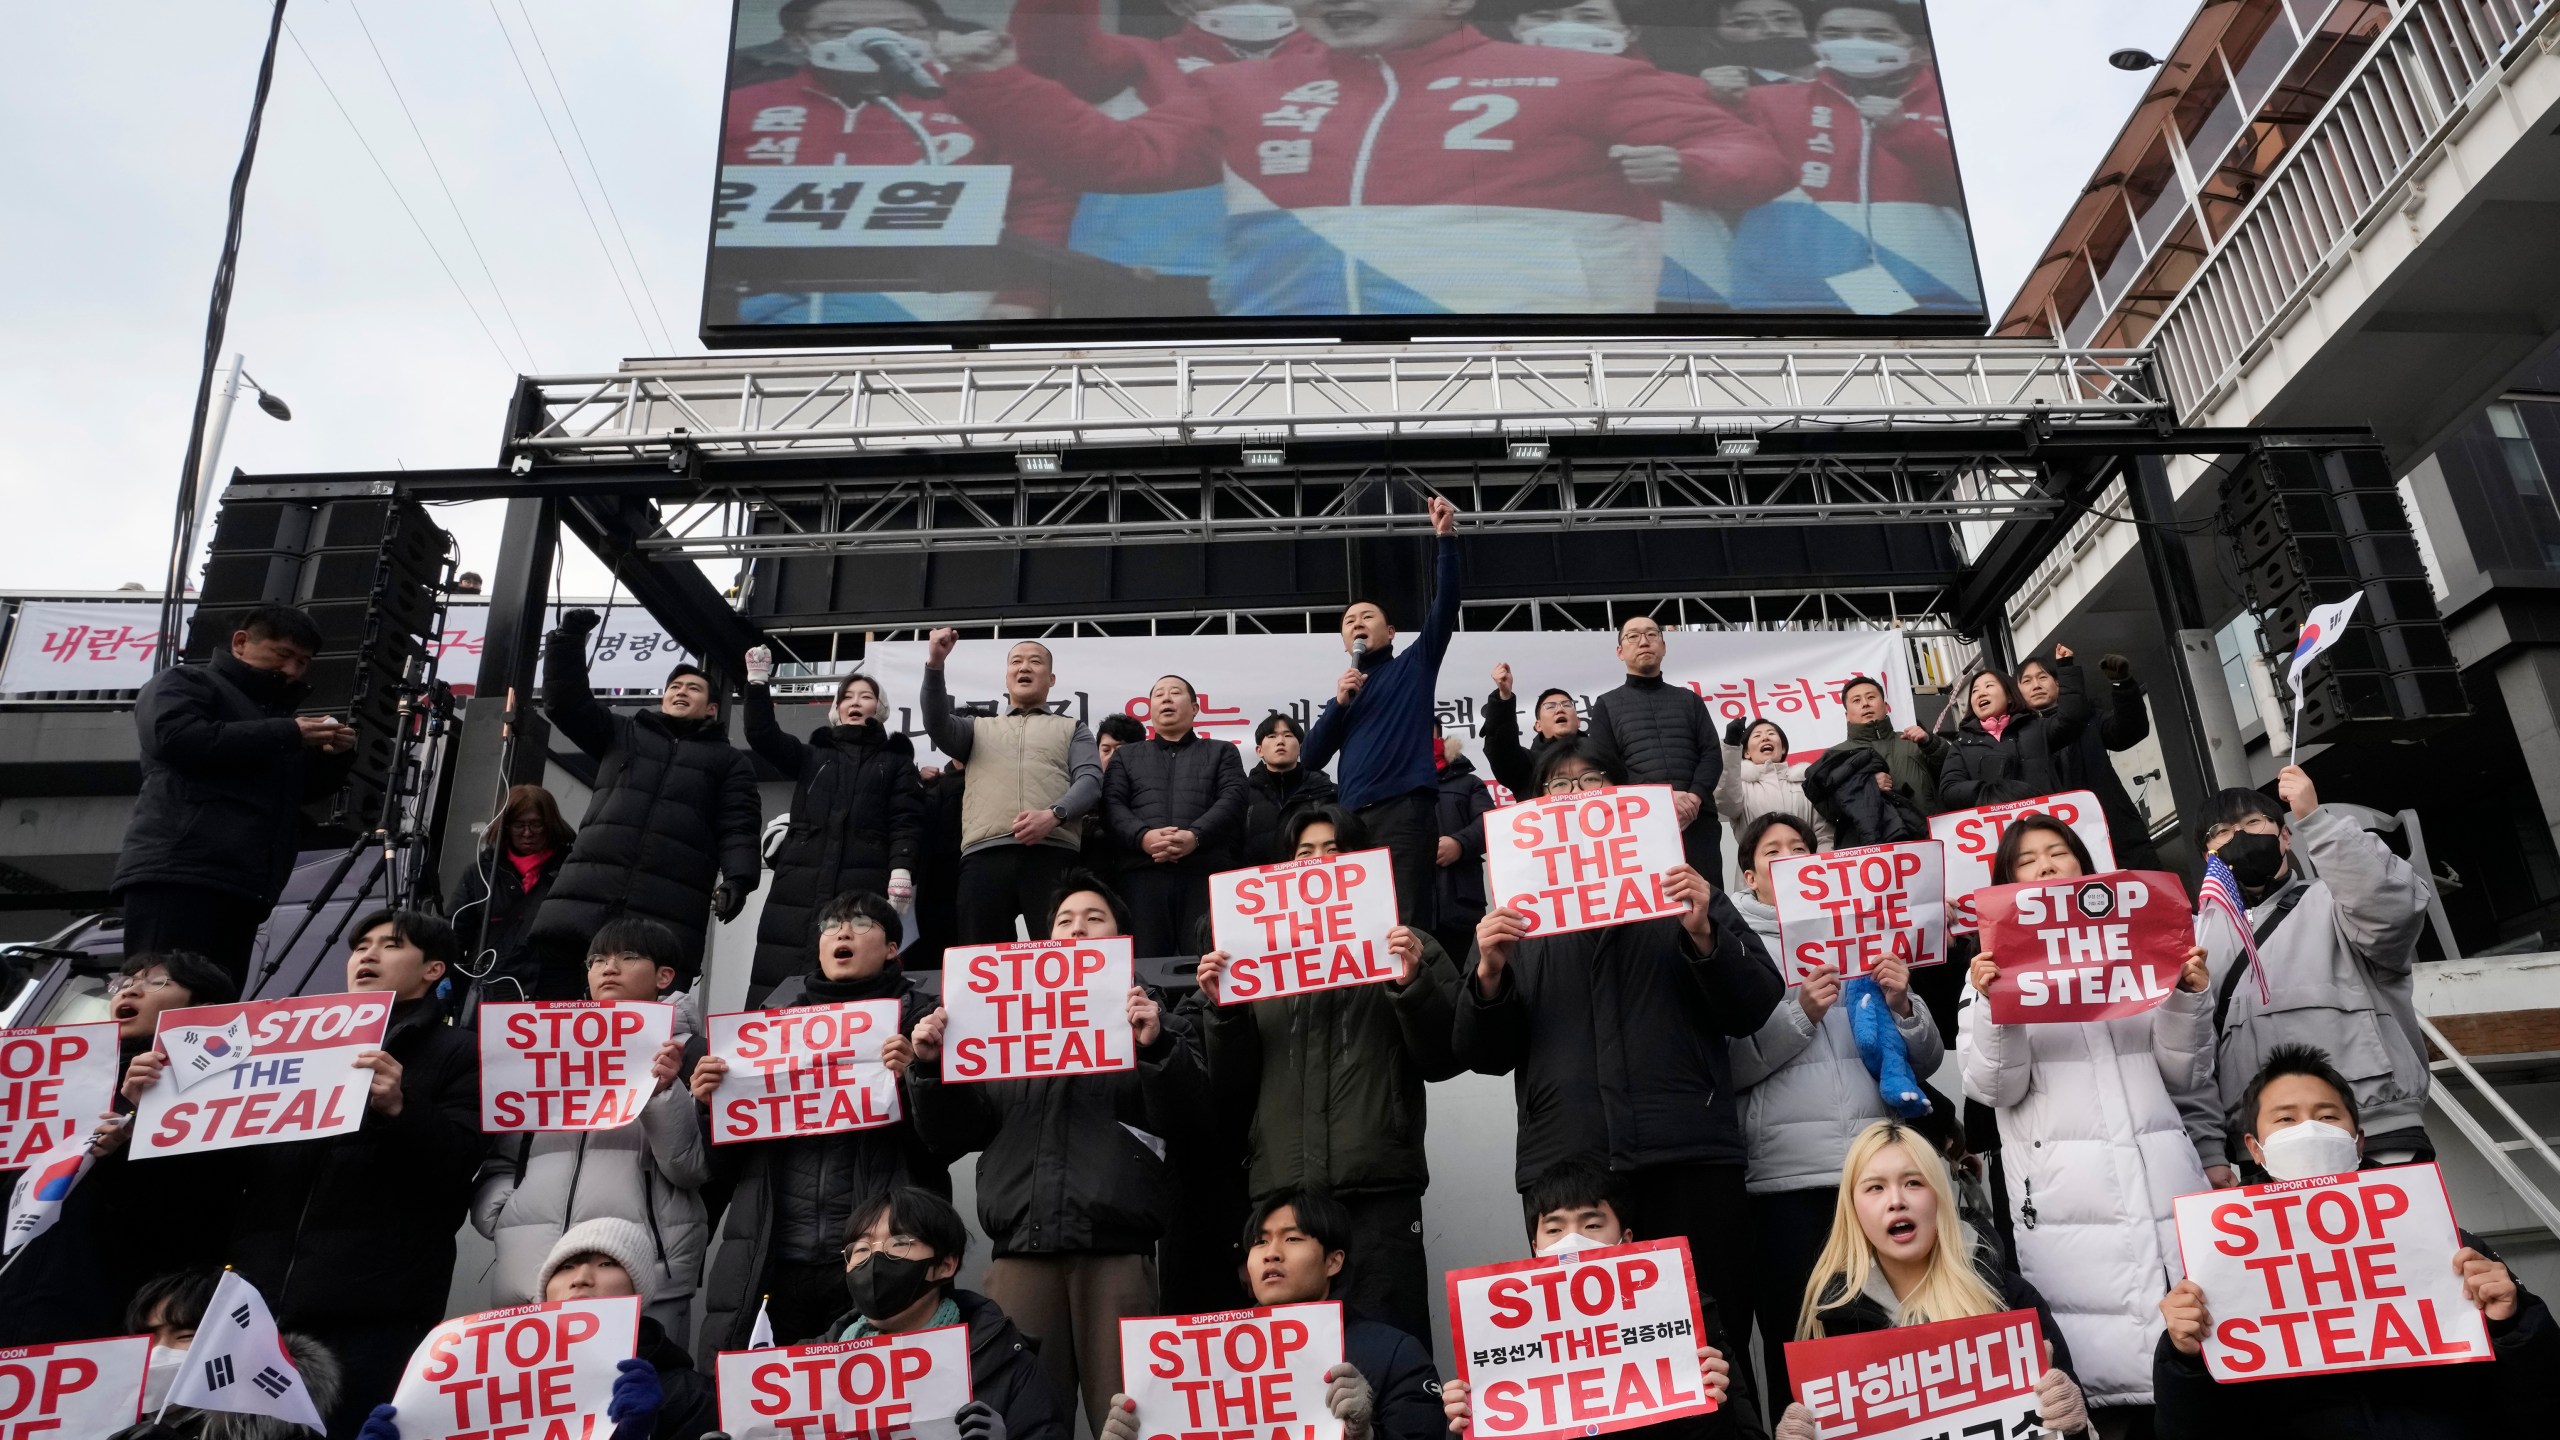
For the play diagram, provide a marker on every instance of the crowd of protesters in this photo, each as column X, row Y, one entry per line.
column 1669, row 1082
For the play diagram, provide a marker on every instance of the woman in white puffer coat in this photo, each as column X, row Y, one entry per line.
column 1757, row 781
column 2092, row 1148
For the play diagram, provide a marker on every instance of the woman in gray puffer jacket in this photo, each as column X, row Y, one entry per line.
column 1806, row 1095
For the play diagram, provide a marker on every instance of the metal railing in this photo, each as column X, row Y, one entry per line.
column 2354, row 165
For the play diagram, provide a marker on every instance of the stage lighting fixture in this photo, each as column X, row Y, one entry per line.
column 1264, row 457
column 1038, row 462
column 1528, row 447
column 1744, row 444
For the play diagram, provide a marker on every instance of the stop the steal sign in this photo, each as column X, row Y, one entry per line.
column 1047, row 1007
column 1315, row 924
column 1580, row 1343
column 1855, row 909
column 881, row 1387
column 72, row 1391
column 272, row 1071
column 2094, row 948
column 1587, row 860
column 1237, row 1375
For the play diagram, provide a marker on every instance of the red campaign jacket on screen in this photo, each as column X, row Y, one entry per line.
column 1064, row 40
column 1817, row 126
column 796, row 121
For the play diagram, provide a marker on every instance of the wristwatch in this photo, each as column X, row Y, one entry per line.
column 1060, row 811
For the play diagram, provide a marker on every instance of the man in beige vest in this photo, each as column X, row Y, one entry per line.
column 1029, row 772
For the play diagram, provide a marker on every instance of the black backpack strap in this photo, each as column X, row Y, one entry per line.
column 2266, row 928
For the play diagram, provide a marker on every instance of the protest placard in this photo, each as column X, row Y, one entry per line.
column 276, row 1070
column 531, row 1372
column 1586, row 860
column 1580, row 1343
column 568, row 1064
column 1238, row 1374
column 1046, row 1007
column 2092, row 948
column 1972, row 838
column 881, row 1387
column 55, row 1081
column 1924, row 1382
column 74, row 1391
column 808, row 1070
column 1315, row 924
column 2341, row 1272
column 1855, row 909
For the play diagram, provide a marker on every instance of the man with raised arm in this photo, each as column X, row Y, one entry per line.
column 1030, row 771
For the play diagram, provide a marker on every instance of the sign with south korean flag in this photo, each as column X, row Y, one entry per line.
column 200, row 1052
column 272, row 1071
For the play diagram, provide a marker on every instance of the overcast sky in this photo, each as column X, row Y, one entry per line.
column 120, row 125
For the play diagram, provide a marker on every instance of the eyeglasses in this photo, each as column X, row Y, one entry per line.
column 2254, row 825
column 148, row 985
column 861, row 1250
column 855, row 925
column 1568, row 784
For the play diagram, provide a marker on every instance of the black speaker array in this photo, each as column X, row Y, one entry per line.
column 2311, row 527
column 371, row 573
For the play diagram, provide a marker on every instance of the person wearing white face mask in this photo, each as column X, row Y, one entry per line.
column 2302, row 1123
column 1595, row 26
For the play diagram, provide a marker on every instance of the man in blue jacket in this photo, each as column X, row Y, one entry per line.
column 1380, row 722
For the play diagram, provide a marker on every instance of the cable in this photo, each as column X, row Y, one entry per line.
column 474, row 241
column 331, row 91
column 628, row 303
column 665, row 335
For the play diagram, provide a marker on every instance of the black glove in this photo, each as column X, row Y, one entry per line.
column 2118, row 668
column 978, row 1420
column 1734, row 732
column 580, row 623
column 727, row 900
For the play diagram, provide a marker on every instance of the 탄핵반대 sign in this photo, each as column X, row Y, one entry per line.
column 2093, row 948
column 1315, row 924
column 568, row 1064
column 293, row 1075
column 1855, row 909
column 1973, row 1377
column 881, row 1387
column 1587, row 860
column 55, row 1081
column 1045, row 1007
column 1239, row 1374
column 533, row 1372
column 807, row 1070
column 1972, row 838
column 1580, row 1343
column 77, row 1391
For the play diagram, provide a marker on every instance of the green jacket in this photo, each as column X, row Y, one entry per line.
column 1914, row 767
column 1332, row 1080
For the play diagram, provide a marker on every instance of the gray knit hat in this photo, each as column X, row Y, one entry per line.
column 624, row 1240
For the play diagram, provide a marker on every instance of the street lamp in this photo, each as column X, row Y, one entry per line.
column 2135, row 60
column 206, row 489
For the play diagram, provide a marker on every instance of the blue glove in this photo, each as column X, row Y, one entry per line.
column 636, row 1398
column 382, row 1424
column 1880, row 1046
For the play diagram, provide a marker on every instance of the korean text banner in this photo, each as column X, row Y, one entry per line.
column 1923, row 1382
column 260, row 1073
column 897, row 164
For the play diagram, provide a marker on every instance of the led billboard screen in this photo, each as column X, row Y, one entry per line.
column 1020, row 169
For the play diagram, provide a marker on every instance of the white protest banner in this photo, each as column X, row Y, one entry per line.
column 1855, row 909
column 568, row 1064
column 1580, row 1343
column 807, row 1070
column 881, row 1387
column 1314, row 924
column 79, row 1391
column 532, row 1372
column 55, row 1081
column 2093, row 948
column 1972, row 838
column 1924, row 1382
column 1045, row 1007
column 1240, row 1374
column 2341, row 1272
column 300, row 1080
column 1586, row 860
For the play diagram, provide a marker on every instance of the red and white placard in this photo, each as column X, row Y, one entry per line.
column 1972, row 838
column 1924, row 1382
column 2094, row 948
column 807, row 1070
column 536, row 1372
column 1253, row 1372
column 271, row 1071
column 55, row 1083
column 1580, row 1343
column 881, row 1387
column 1855, row 909
column 73, row 1391
column 1044, row 1007
column 1314, row 924
column 568, row 1064
column 1584, row 861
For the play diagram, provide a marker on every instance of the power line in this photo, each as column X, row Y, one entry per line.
column 331, row 91
column 473, row 240
column 562, row 151
column 666, row 335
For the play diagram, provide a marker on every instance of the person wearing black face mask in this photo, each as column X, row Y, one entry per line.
column 2335, row 953
column 902, row 1252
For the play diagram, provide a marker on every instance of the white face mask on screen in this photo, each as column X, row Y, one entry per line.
column 1578, row 35
column 1861, row 57
column 2308, row 1150
column 847, row 52
column 1249, row 23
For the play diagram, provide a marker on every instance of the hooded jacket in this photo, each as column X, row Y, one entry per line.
column 1616, row 1041
column 2091, row 1148
column 1463, row 801
column 1913, row 764
column 1271, row 798
column 857, row 813
column 224, row 778
column 675, row 811
column 2028, row 750
column 1195, row 783
column 2339, row 973
column 1004, row 1371
column 1749, row 789
column 1332, row 1080
column 1806, row 1093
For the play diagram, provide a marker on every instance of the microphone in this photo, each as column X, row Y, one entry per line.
column 888, row 50
column 1359, row 647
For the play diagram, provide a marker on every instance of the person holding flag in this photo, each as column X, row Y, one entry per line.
column 2334, row 954
column 2325, row 626
column 239, row 1364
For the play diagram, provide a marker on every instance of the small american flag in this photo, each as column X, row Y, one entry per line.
column 2222, row 890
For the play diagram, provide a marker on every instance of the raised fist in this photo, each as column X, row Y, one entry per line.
column 580, row 623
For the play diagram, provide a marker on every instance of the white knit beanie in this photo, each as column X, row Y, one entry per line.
column 624, row 1240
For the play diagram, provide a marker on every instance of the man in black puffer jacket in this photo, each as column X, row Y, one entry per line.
column 226, row 767
column 1658, row 733
column 1176, row 807
column 671, row 830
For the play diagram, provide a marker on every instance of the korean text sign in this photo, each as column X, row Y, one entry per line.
column 809, row 1070
column 72, row 1391
column 1243, row 1374
column 1587, row 860
column 568, row 1064
column 1580, row 1343
column 260, row 1073
column 534, row 1372
column 2342, row 1272
column 1855, row 909
column 882, row 1387
column 1301, row 925
column 2093, row 948
column 1922, row 1382
column 1972, row 838
column 55, row 1081
column 1048, row 1007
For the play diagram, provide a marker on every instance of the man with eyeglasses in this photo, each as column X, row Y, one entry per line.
column 1661, row 733
column 1616, row 1039
column 2335, row 950
column 1551, row 719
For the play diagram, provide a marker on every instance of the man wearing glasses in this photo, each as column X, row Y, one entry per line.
column 1615, row 1039
column 1661, row 733
column 2335, row 953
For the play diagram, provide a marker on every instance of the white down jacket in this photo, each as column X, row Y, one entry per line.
column 2094, row 1152
column 1805, row 1092
column 1749, row 789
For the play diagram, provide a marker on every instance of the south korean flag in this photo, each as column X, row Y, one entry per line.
column 199, row 1052
column 237, row 1362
